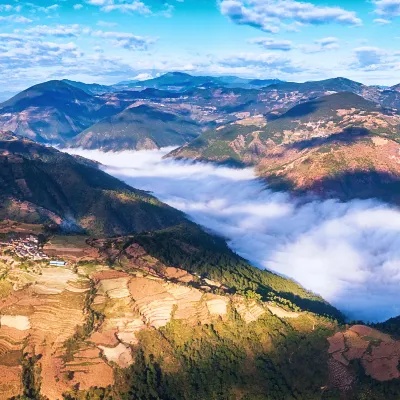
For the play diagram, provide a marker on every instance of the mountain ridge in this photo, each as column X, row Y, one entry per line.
column 140, row 127
column 300, row 149
column 43, row 185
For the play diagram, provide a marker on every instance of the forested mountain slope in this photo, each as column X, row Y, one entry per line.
column 42, row 184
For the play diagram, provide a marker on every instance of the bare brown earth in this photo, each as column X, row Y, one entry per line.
column 305, row 169
column 72, row 248
column 47, row 314
column 347, row 148
column 11, row 345
column 47, row 310
column 7, row 226
column 379, row 354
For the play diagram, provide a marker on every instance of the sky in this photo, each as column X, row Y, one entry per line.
column 107, row 41
column 349, row 253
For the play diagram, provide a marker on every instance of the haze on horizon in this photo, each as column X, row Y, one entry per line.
column 107, row 41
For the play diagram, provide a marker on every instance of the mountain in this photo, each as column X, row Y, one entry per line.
column 339, row 145
column 176, row 81
column 57, row 111
column 314, row 89
column 137, row 128
column 179, row 81
column 43, row 185
column 327, row 85
column 50, row 112
column 174, row 314
column 390, row 97
column 232, row 80
column 264, row 82
column 396, row 87
column 90, row 88
column 148, row 304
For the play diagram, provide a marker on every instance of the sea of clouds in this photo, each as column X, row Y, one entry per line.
column 349, row 253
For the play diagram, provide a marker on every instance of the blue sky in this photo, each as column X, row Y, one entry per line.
column 107, row 41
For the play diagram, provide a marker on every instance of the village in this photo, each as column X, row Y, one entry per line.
column 23, row 246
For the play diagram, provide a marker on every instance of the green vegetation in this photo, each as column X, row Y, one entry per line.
column 92, row 394
column 215, row 144
column 391, row 326
column 30, row 378
column 93, row 320
column 84, row 197
column 6, row 287
column 188, row 247
column 61, row 111
column 267, row 359
column 137, row 128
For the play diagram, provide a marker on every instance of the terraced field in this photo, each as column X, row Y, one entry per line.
column 85, row 319
column 13, row 332
column 84, row 326
column 379, row 354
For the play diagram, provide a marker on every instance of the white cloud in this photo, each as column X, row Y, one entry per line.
column 98, row 2
column 273, row 44
column 127, row 41
column 371, row 57
column 324, row 44
column 29, row 53
column 48, row 9
column 382, row 21
column 136, row 6
column 270, row 61
column 167, row 12
column 9, row 8
column 61, row 31
column 347, row 252
column 389, row 8
column 106, row 24
column 18, row 19
column 269, row 15
column 78, row 6
column 142, row 77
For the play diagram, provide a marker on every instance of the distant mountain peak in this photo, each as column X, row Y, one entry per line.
column 396, row 87
column 177, row 73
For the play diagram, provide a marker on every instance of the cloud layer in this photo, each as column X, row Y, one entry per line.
column 389, row 8
column 271, row 15
column 347, row 252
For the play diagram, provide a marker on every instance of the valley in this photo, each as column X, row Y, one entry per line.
column 199, row 200
column 126, row 320
column 297, row 238
column 198, row 237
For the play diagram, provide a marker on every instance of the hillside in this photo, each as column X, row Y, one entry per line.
column 179, row 81
column 42, row 185
column 264, row 82
column 337, row 145
column 138, row 128
column 174, row 315
column 391, row 97
column 327, row 85
column 56, row 112
column 90, row 88
column 51, row 112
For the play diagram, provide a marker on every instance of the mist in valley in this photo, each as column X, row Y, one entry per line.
column 349, row 253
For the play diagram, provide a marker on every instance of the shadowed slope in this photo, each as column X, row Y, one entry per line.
column 41, row 184
column 51, row 112
column 137, row 128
